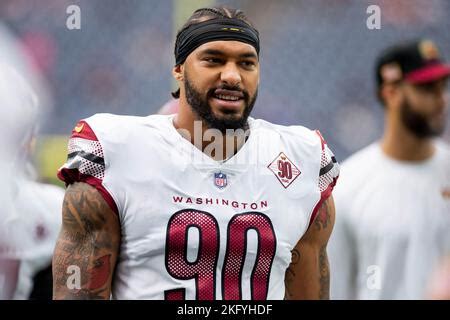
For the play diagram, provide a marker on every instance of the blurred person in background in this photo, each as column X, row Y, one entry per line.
column 29, row 217
column 20, row 55
column 393, row 223
column 29, row 220
column 137, row 187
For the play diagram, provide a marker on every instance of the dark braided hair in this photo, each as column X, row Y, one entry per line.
column 205, row 14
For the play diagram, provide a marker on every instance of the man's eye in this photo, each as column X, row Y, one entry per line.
column 212, row 60
column 248, row 64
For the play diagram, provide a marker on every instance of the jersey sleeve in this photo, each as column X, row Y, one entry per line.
column 328, row 174
column 86, row 161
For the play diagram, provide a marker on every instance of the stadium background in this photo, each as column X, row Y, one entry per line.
column 317, row 60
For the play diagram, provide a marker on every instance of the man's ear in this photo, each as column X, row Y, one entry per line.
column 177, row 72
column 391, row 94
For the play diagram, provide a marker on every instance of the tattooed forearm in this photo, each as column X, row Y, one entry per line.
column 308, row 275
column 324, row 275
column 94, row 281
column 290, row 272
column 89, row 240
column 322, row 222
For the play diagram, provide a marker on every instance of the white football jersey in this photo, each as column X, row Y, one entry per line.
column 392, row 225
column 193, row 227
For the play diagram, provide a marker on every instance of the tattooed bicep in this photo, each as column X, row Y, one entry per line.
column 325, row 216
column 84, row 209
column 319, row 231
column 89, row 240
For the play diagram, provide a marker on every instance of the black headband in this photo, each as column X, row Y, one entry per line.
column 217, row 29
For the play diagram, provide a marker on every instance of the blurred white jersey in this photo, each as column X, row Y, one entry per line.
column 39, row 212
column 392, row 225
column 195, row 228
column 29, row 231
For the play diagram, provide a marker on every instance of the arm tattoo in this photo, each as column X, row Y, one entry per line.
column 324, row 272
column 89, row 239
column 323, row 217
column 290, row 274
column 323, row 221
column 308, row 275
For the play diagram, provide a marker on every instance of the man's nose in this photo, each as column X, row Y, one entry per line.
column 443, row 94
column 230, row 74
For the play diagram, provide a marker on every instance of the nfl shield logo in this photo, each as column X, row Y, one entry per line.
column 220, row 180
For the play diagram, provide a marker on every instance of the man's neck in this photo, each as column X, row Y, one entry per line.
column 196, row 131
column 401, row 144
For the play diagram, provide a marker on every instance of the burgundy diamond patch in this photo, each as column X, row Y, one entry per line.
column 283, row 168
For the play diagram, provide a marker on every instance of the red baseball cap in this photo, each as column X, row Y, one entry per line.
column 414, row 62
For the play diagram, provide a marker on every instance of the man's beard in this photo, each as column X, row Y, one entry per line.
column 203, row 110
column 417, row 123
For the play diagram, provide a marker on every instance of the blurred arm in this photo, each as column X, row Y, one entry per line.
column 308, row 275
column 342, row 254
column 89, row 240
column 9, row 273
